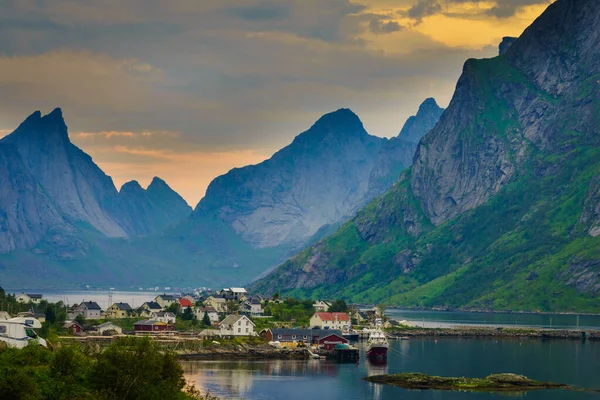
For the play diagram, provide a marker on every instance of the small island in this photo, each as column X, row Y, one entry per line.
column 491, row 383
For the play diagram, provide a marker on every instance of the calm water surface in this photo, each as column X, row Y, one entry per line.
column 572, row 362
column 452, row 318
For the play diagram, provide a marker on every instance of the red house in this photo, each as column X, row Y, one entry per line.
column 151, row 325
column 74, row 328
column 328, row 342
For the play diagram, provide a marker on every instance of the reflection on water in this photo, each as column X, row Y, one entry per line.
column 571, row 362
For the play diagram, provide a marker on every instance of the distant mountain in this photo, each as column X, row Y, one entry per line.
column 152, row 210
column 49, row 183
column 418, row 125
column 69, row 176
column 500, row 209
column 324, row 176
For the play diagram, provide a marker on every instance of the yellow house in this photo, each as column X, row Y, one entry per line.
column 118, row 310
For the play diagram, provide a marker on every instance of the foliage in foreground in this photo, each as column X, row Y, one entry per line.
column 129, row 369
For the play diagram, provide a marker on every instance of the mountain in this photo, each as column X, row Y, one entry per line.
column 50, row 184
column 152, row 210
column 69, row 176
column 418, row 125
column 324, row 176
column 500, row 209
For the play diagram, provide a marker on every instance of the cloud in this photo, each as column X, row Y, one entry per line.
column 424, row 8
column 378, row 26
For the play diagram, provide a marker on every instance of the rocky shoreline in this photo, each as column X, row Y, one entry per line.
column 477, row 332
column 244, row 352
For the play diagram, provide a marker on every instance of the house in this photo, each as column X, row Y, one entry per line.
column 73, row 328
column 321, row 306
column 328, row 342
column 217, row 303
column 165, row 300
column 360, row 316
column 29, row 298
column 292, row 337
column 119, row 310
column 185, row 303
column 235, row 293
column 89, row 310
column 148, row 308
column 151, row 326
column 164, row 316
column 109, row 328
column 213, row 315
column 253, row 307
column 236, row 325
column 4, row 315
column 28, row 314
column 334, row 320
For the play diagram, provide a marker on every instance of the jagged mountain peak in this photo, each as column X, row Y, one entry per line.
column 158, row 184
column 507, row 41
column 132, row 186
column 418, row 125
column 35, row 125
column 340, row 123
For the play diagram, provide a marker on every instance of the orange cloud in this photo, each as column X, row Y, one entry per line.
column 111, row 134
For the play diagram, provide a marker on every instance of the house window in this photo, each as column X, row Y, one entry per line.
column 246, row 323
column 239, row 330
column 246, row 330
column 2, row 328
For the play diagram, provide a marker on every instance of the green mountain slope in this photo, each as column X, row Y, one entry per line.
column 501, row 208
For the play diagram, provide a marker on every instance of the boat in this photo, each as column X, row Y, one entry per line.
column 19, row 332
column 377, row 346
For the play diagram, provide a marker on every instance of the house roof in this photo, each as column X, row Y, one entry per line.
column 232, row 319
column 255, row 301
column 236, row 290
column 167, row 297
column 152, row 305
column 150, row 322
column 333, row 335
column 68, row 325
column 34, row 296
column 123, row 306
column 217, row 299
column 91, row 305
column 333, row 316
column 163, row 314
column 207, row 309
column 185, row 303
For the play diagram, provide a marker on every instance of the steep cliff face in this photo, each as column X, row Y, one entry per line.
column 26, row 212
column 76, row 185
column 152, row 210
column 499, row 210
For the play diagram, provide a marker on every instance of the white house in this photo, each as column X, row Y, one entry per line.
column 253, row 307
column 321, row 306
column 165, row 300
column 89, row 310
column 235, row 293
column 236, row 325
column 29, row 298
column 335, row 320
column 213, row 315
column 166, row 317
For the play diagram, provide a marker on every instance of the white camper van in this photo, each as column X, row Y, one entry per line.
column 18, row 332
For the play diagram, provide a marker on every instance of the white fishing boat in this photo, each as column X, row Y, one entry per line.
column 378, row 345
column 19, row 332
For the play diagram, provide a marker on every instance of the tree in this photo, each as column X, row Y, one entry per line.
column 174, row 308
column 338, row 306
column 206, row 319
column 188, row 314
column 80, row 319
column 232, row 306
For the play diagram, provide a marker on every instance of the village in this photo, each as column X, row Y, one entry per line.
column 231, row 313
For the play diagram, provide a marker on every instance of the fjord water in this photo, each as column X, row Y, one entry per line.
column 567, row 361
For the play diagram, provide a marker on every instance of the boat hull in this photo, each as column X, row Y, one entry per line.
column 377, row 352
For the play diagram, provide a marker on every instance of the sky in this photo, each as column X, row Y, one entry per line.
column 188, row 89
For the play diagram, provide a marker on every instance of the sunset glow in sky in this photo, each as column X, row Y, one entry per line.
column 188, row 89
